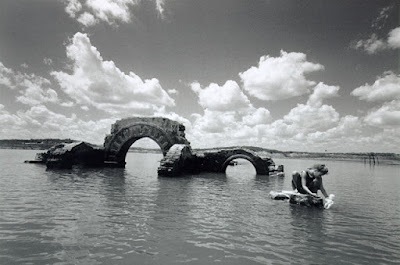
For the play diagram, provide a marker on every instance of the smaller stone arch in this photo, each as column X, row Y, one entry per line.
column 218, row 160
column 261, row 165
column 238, row 156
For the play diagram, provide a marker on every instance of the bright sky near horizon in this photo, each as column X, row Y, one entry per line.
column 289, row 75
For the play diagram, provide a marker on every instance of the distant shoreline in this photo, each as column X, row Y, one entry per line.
column 369, row 158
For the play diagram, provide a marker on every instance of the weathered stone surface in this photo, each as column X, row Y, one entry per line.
column 125, row 132
column 176, row 161
column 181, row 159
column 168, row 134
column 67, row 155
column 218, row 160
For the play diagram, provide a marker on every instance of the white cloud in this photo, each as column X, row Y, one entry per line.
column 256, row 117
column 47, row 61
column 388, row 115
column 374, row 45
column 308, row 118
column 33, row 89
column 112, row 12
column 90, row 12
column 214, row 121
column 87, row 19
column 228, row 118
column 160, row 4
column 6, row 76
column 40, row 122
column 384, row 88
column 371, row 45
column 101, row 84
column 394, row 38
column 73, row 7
column 221, row 98
column 321, row 92
column 304, row 119
column 173, row 91
column 281, row 77
column 380, row 21
column 35, row 93
column 67, row 104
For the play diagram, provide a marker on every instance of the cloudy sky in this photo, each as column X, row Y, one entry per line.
column 290, row 75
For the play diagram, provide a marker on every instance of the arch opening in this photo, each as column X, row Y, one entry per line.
column 119, row 144
column 240, row 160
column 143, row 157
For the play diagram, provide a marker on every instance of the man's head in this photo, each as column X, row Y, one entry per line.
column 319, row 169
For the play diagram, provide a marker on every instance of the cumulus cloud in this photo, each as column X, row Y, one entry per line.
column 221, row 98
column 304, row 119
column 394, row 38
column 374, row 44
column 112, row 12
column 33, row 89
column 34, row 92
column 73, row 7
column 282, row 77
column 388, row 115
column 384, row 88
column 40, row 122
column 87, row 19
column 257, row 117
column 321, row 92
column 229, row 117
column 101, row 84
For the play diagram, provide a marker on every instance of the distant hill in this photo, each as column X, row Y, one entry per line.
column 144, row 150
column 376, row 158
column 33, row 144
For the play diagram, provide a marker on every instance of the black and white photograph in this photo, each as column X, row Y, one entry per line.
column 199, row 132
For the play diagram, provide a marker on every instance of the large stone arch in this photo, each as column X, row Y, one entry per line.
column 125, row 132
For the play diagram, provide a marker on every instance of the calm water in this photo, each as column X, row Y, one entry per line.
column 130, row 216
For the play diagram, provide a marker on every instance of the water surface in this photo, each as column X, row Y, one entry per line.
column 131, row 216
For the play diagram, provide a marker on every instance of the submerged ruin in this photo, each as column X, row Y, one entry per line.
column 169, row 135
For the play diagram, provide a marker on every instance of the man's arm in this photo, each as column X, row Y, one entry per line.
column 304, row 184
column 323, row 190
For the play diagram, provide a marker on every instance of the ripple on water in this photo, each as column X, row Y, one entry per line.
column 125, row 216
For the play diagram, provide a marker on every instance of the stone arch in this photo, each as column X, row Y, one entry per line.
column 125, row 132
column 261, row 165
column 233, row 157
column 121, row 141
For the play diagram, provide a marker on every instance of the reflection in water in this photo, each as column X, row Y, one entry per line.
column 130, row 216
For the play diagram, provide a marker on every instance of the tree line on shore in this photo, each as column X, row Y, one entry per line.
column 43, row 144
